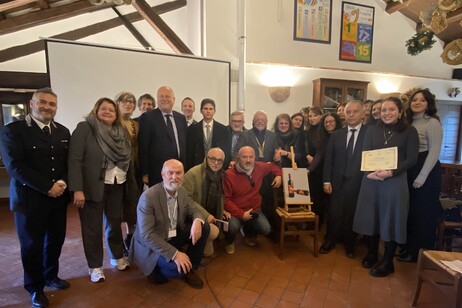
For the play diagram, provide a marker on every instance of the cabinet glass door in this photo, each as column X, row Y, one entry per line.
column 332, row 97
column 355, row 94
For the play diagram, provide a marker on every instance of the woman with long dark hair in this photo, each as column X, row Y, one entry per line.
column 329, row 123
column 424, row 179
column 383, row 200
column 315, row 177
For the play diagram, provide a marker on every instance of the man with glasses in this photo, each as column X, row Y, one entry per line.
column 206, row 134
column 204, row 184
column 242, row 197
column 34, row 151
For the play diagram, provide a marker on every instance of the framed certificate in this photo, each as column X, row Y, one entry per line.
column 383, row 159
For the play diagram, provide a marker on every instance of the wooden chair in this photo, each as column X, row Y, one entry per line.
column 445, row 238
column 298, row 217
column 431, row 270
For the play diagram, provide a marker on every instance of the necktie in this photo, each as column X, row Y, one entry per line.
column 46, row 130
column 171, row 132
column 351, row 142
column 207, row 132
column 234, row 142
column 349, row 154
column 169, row 125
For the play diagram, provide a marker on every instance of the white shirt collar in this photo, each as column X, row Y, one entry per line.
column 40, row 124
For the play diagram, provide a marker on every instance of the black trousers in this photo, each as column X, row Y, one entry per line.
column 342, row 212
column 41, row 233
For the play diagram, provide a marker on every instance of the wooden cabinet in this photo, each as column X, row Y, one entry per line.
column 329, row 93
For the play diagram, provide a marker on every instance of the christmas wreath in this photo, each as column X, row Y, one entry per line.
column 419, row 42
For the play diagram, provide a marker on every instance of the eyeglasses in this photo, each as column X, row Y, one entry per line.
column 237, row 121
column 214, row 160
column 127, row 101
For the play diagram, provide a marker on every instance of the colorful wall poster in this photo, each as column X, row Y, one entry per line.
column 357, row 32
column 312, row 20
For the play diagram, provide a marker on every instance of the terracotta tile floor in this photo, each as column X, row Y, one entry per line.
column 252, row 277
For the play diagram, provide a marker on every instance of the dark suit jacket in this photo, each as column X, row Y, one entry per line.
column 34, row 161
column 335, row 161
column 248, row 138
column 195, row 142
column 155, row 146
column 151, row 233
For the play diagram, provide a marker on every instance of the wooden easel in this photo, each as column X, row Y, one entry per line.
column 300, row 214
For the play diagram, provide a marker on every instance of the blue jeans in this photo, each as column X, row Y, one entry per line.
column 252, row 227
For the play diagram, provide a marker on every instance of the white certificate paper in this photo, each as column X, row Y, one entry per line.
column 383, row 159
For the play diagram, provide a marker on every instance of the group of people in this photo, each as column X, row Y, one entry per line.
column 202, row 178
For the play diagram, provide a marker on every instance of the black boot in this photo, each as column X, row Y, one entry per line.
column 373, row 251
column 385, row 267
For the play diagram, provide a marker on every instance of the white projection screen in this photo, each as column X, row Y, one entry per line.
column 82, row 73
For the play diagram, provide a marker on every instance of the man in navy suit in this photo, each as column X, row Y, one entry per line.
column 206, row 134
column 162, row 136
column 342, row 178
column 34, row 151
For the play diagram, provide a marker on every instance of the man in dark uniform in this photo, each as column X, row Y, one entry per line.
column 34, row 151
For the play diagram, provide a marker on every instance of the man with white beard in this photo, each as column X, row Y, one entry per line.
column 167, row 220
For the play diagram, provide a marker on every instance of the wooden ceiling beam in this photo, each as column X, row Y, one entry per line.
column 136, row 34
column 14, row 4
column 161, row 27
column 43, row 4
column 454, row 16
column 32, row 19
column 394, row 6
column 37, row 46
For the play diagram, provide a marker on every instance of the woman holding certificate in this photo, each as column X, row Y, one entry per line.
column 383, row 200
column 424, row 179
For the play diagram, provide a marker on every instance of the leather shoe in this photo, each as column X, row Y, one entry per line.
column 350, row 254
column 369, row 261
column 193, row 280
column 58, row 284
column 157, row 278
column 39, row 299
column 406, row 258
column 383, row 269
column 326, row 247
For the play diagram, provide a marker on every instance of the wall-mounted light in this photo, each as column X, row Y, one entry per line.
column 453, row 92
column 279, row 94
column 386, row 86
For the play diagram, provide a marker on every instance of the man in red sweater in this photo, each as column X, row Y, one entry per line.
column 242, row 197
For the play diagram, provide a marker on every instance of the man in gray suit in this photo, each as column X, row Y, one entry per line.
column 168, row 220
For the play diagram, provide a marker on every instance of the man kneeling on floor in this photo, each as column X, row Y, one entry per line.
column 167, row 221
column 242, row 197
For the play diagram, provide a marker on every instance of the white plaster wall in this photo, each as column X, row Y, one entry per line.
column 270, row 40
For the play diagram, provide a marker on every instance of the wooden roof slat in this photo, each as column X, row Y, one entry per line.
column 14, row 4
column 37, row 18
column 140, row 38
column 161, row 27
column 36, row 46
